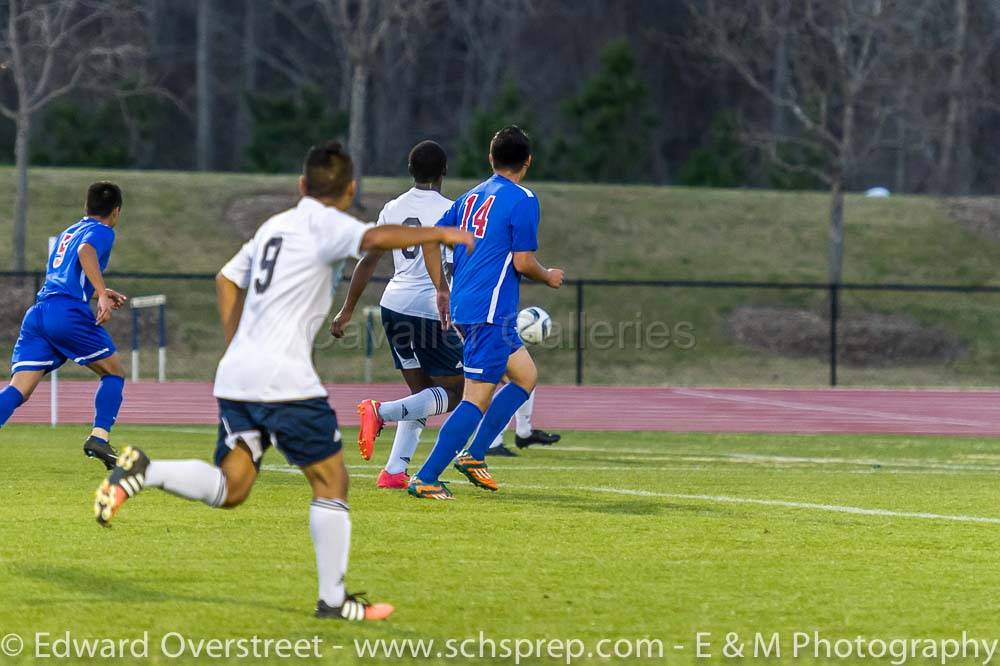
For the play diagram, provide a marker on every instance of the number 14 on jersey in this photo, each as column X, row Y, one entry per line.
column 480, row 219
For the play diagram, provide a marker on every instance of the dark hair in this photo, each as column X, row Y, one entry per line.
column 328, row 170
column 510, row 148
column 102, row 198
column 427, row 162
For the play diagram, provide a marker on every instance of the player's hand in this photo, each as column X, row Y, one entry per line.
column 105, row 304
column 117, row 299
column 340, row 322
column 555, row 277
column 444, row 308
column 453, row 237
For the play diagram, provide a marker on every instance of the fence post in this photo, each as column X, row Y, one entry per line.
column 579, row 332
column 38, row 282
column 834, row 315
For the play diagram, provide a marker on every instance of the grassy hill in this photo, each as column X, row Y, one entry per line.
column 178, row 222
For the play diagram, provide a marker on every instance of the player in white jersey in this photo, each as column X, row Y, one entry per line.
column 428, row 354
column 273, row 298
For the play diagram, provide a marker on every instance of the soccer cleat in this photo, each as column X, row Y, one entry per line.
column 355, row 609
column 370, row 427
column 422, row 490
column 125, row 481
column 476, row 472
column 537, row 437
column 400, row 480
column 101, row 450
column 501, row 451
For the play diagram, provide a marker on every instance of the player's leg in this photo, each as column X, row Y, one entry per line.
column 523, row 374
column 407, row 438
column 18, row 391
column 497, row 447
column 525, row 434
column 107, row 403
column 452, row 438
column 227, row 484
column 33, row 356
column 431, row 362
column 69, row 327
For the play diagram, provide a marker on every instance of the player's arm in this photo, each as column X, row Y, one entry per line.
column 396, row 236
column 362, row 275
column 107, row 299
column 527, row 264
column 432, row 259
column 524, row 224
column 230, row 299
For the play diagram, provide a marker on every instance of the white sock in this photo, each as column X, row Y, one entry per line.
column 522, row 417
column 428, row 402
column 190, row 479
column 499, row 440
column 405, row 445
column 330, row 526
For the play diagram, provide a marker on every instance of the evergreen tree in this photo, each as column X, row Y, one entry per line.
column 610, row 123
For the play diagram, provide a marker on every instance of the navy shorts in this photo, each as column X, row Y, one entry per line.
column 487, row 348
column 305, row 431
column 57, row 329
column 418, row 343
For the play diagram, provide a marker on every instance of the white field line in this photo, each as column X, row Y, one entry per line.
column 830, row 409
column 728, row 499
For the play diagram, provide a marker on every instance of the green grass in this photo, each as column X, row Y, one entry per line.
column 550, row 556
column 175, row 222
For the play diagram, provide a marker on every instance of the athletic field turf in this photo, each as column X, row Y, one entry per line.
column 604, row 536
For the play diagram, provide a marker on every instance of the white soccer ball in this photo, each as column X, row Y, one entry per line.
column 534, row 324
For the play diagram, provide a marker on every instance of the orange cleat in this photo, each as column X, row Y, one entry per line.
column 476, row 472
column 126, row 480
column 398, row 481
column 356, row 608
column 421, row 490
column 370, row 427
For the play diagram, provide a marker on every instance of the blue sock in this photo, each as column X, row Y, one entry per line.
column 501, row 410
column 108, row 401
column 10, row 399
column 454, row 434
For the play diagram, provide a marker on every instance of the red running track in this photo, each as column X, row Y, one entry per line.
column 606, row 408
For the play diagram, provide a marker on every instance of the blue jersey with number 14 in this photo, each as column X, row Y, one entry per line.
column 504, row 218
column 64, row 275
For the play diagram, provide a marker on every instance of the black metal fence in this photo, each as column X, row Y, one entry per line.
column 655, row 331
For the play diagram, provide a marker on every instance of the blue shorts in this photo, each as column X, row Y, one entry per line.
column 57, row 329
column 305, row 431
column 418, row 343
column 487, row 348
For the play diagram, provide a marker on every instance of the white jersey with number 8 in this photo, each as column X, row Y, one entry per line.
column 411, row 291
column 286, row 270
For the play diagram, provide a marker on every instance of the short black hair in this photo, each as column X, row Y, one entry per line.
column 102, row 198
column 427, row 162
column 328, row 170
column 510, row 148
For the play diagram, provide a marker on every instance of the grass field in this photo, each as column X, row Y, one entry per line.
column 176, row 222
column 604, row 536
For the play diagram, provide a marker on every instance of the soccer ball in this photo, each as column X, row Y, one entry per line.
column 533, row 324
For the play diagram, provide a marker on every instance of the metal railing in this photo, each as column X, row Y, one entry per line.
column 580, row 288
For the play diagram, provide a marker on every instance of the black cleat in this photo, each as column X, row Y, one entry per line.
column 355, row 609
column 95, row 448
column 125, row 481
column 537, row 437
column 501, row 451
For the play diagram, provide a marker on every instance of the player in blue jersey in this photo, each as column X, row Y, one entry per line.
column 60, row 325
column 503, row 215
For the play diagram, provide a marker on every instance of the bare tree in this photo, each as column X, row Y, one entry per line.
column 203, row 85
column 48, row 48
column 362, row 27
column 839, row 89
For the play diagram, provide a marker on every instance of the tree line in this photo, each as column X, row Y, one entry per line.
column 835, row 94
